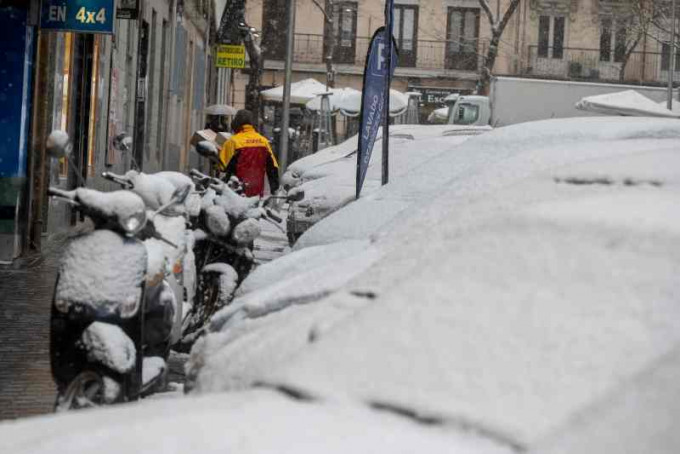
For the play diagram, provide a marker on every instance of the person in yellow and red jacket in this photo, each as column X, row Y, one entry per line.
column 248, row 156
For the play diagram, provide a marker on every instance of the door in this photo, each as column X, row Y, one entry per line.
column 345, row 31
column 462, row 38
column 274, row 28
column 405, row 33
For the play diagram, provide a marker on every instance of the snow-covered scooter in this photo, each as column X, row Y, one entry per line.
column 113, row 311
column 224, row 232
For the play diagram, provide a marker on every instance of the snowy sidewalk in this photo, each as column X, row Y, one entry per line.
column 26, row 386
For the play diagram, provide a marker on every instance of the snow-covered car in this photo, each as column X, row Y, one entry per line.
column 528, row 303
column 328, row 176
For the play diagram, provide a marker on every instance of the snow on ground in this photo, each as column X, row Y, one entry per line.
column 255, row 421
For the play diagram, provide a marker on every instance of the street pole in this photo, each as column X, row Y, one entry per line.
column 671, row 66
column 290, row 48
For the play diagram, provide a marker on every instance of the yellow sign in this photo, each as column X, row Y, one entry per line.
column 230, row 56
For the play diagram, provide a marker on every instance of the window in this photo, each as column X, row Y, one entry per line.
column 461, row 38
column 548, row 41
column 665, row 57
column 558, row 38
column 405, row 26
column 344, row 30
column 152, row 84
column 620, row 46
column 467, row 114
column 161, row 91
column 543, row 36
column 613, row 39
column 606, row 39
column 274, row 27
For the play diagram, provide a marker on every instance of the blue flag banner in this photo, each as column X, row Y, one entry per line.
column 373, row 100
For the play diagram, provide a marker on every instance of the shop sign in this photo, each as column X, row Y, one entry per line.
column 84, row 16
column 127, row 9
column 434, row 95
column 231, row 56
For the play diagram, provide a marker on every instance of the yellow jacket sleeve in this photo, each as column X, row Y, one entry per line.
column 227, row 152
column 271, row 153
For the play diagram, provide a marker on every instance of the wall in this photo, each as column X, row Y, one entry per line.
column 16, row 44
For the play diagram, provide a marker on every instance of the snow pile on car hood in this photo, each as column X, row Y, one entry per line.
column 243, row 328
column 250, row 422
column 489, row 161
column 536, row 301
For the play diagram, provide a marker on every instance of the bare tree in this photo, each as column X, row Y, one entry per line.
column 636, row 18
column 235, row 30
column 329, row 39
column 498, row 25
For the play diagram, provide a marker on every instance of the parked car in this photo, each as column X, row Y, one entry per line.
column 328, row 176
column 517, row 295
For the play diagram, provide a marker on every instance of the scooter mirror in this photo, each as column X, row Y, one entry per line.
column 296, row 196
column 58, row 144
column 207, row 150
column 122, row 142
column 181, row 194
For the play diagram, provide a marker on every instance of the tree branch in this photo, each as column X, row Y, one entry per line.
column 508, row 14
column 489, row 14
column 327, row 18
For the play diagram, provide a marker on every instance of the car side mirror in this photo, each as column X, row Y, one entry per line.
column 58, row 144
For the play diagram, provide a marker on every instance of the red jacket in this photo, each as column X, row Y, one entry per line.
column 249, row 156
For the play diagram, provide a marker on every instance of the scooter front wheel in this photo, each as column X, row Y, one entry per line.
column 89, row 389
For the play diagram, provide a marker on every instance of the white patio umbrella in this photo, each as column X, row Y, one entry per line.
column 336, row 97
column 300, row 92
column 350, row 106
column 220, row 109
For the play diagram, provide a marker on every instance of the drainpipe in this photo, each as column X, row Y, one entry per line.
column 283, row 159
column 170, row 75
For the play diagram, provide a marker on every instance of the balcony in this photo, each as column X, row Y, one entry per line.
column 590, row 64
column 439, row 56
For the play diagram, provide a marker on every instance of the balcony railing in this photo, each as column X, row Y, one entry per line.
column 561, row 63
column 426, row 55
column 578, row 63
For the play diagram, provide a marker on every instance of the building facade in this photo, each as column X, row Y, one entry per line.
column 150, row 79
column 443, row 43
